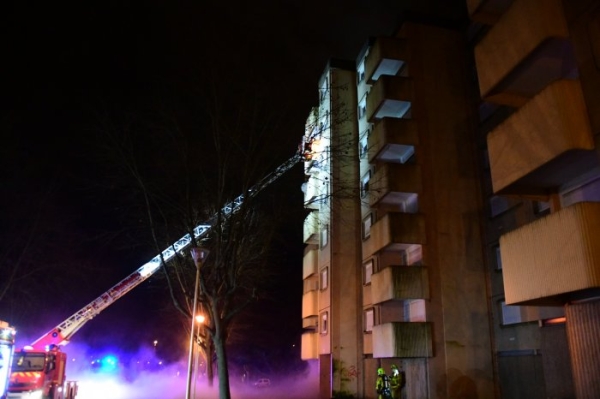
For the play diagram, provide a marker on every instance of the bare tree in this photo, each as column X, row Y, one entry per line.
column 180, row 177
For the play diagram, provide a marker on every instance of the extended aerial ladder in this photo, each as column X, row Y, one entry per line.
column 62, row 333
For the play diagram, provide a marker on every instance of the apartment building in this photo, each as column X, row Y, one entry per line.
column 538, row 68
column 405, row 282
column 465, row 246
column 331, row 299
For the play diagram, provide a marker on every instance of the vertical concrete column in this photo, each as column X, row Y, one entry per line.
column 583, row 334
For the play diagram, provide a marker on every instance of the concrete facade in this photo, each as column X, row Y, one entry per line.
column 537, row 64
column 461, row 230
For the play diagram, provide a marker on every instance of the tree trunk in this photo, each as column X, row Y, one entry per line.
column 224, row 392
column 210, row 375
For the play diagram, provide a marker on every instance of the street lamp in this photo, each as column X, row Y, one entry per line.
column 199, row 255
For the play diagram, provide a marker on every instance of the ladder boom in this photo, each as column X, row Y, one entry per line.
column 61, row 334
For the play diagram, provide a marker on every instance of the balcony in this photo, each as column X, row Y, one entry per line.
column 393, row 140
column 310, row 263
column 400, row 282
column 397, row 231
column 310, row 322
column 309, row 346
column 544, row 144
column 403, row 340
column 390, row 97
column 555, row 259
column 487, row 11
column 525, row 51
column 309, row 304
column 311, row 228
column 395, row 184
column 387, row 56
column 311, row 193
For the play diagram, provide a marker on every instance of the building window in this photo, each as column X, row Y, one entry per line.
column 324, row 279
column 324, row 239
column 324, row 325
column 364, row 184
column 369, row 320
column 360, row 73
column 368, row 271
column 363, row 148
column 362, row 108
column 498, row 258
column 510, row 314
column 366, row 226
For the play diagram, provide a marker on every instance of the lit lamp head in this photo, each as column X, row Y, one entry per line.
column 199, row 255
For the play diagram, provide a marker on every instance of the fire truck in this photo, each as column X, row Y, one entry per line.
column 7, row 345
column 38, row 370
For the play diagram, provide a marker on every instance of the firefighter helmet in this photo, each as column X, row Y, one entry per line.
column 380, row 371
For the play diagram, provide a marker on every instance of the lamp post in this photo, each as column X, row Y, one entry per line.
column 200, row 321
column 199, row 255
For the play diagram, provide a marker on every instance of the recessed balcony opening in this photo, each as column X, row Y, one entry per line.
column 388, row 67
column 397, row 232
column 310, row 322
column 553, row 60
column 414, row 310
column 397, row 202
column 397, row 153
column 413, row 256
column 393, row 109
column 391, row 311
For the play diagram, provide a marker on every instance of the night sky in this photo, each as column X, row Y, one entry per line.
column 67, row 68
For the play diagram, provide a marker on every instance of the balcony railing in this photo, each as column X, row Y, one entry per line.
column 400, row 282
column 393, row 140
column 309, row 346
column 390, row 97
column 310, row 322
column 404, row 340
column 387, row 56
column 544, row 144
column 397, row 231
column 309, row 304
column 311, row 228
column 554, row 259
column 311, row 195
column 525, row 51
column 395, row 184
column 310, row 263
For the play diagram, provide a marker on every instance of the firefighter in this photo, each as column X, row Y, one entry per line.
column 382, row 385
column 396, row 382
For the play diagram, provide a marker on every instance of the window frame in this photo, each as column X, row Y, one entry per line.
column 324, row 278
column 367, row 224
column 368, row 328
column 368, row 270
column 323, row 323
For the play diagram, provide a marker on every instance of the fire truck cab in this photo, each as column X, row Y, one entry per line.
column 40, row 375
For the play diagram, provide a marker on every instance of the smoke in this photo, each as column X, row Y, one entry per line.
column 142, row 375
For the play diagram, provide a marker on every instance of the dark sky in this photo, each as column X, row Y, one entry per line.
column 65, row 64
